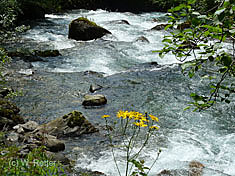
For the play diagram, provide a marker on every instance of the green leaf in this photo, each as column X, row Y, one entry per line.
column 232, row 31
column 167, row 40
column 168, row 26
column 191, row 74
column 202, row 17
column 218, row 12
column 196, row 13
column 188, row 107
column 188, row 30
column 227, row 61
column 222, row 70
column 193, row 94
column 187, row 64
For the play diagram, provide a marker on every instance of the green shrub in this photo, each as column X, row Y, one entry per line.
column 35, row 163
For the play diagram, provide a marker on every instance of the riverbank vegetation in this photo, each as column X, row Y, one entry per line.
column 210, row 40
column 135, row 130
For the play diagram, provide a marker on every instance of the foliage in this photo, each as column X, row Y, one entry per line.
column 210, row 40
column 3, row 59
column 135, row 129
column 35, row 163
column 9, row 10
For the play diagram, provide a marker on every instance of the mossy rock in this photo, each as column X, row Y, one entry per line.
column 71, row 124
column 25, row 54
column 84, row 29
column 9, row 114
column 75, row 119
column 47, row 53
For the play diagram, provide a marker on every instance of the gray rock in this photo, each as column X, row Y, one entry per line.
column 53, row 144
column 13, row 137
column 94, row 100
column 159, row 27
column 30, row 126
column 72, row 124
column 142, row 39
column 20, row 130
column 120, row 22
column 58, row 157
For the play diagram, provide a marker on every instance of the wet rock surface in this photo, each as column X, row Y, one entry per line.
column 72, row 124
column 83, row 29
column 159, row 27
column 94, row 100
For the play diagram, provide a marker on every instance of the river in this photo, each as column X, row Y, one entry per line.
column 133, row 78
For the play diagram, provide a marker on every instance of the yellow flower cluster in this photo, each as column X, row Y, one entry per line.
column 105, row 116
column 140, row 120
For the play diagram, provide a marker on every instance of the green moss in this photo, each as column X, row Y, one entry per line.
column 2, row 137
column 47, row 53
column 75, row 119
column 10, row 111
column 86, row 21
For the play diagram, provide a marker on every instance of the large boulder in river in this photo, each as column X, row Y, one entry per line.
column 84, row 29
column 9, row 114
column 72, row 124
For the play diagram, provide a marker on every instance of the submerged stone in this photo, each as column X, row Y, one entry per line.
column 47, row 53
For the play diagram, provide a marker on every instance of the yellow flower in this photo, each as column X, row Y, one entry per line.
column 154, row 127
column 131, row 114
column 140, row 124
column 105, row 116
column 125, row 115
column 154, row 118
column 120, row 114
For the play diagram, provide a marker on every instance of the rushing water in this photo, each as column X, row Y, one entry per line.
column 131, row 82
column 111, row 54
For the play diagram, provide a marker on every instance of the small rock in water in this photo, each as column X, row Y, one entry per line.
column 94, row 100
column 27, row 72
column 159, row 27
column 195, row 168
column 142, row 39
column 120, row 22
